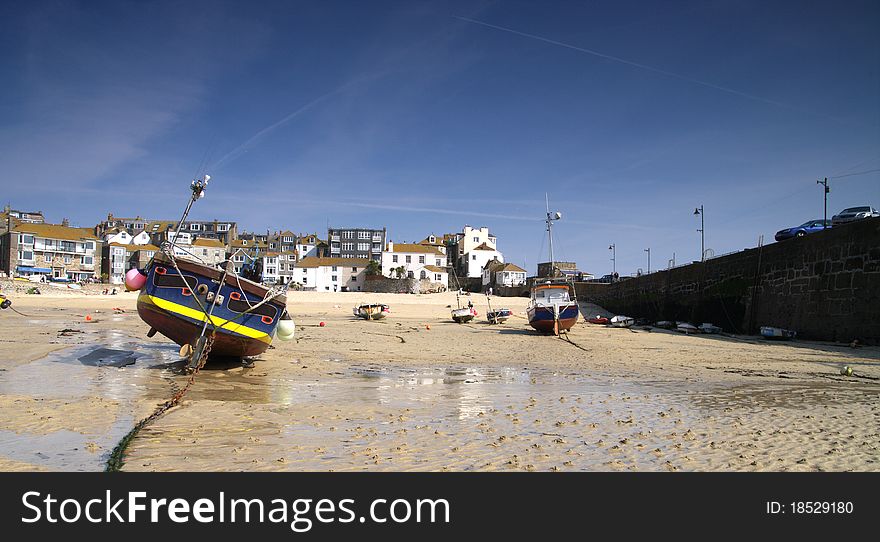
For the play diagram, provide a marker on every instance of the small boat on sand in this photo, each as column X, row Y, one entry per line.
column 777, row 333
column 665, row 324
column 622, row 321
column 711, row 329
column 687, row 329
column 600, row 320
column 371, row 311
column 498, row 316
column 204, row 308
column 462, row 315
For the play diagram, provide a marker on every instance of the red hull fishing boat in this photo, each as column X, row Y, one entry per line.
column 207, row 309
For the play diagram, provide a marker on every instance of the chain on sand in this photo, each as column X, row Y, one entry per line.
column 117, row 458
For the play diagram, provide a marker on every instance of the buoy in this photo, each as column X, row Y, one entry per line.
column 285, row 330
column 321, row 324
column 135, row 279
column 88, row 318
column 428, row 327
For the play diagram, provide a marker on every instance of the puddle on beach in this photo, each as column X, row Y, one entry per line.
column 458, row 417
column 116, row 370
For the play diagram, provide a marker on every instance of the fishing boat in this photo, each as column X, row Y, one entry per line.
column 371, row 311
column 463, row 315
column 204, row 308
column 551, row 307
column 622, row 321
column 498, row 316
column 665, row 324
column 777, row 333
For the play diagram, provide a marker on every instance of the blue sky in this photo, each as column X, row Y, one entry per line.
column 422, row 117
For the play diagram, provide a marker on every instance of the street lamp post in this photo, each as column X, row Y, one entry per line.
column 613, row 249
column 648, row 250
column 825, row 213
column 702, row 230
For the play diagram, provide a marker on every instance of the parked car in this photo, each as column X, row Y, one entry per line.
column 799, row 231
column 854, row 213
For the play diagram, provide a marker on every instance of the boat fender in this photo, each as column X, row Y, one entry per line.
column 135, row 279
column 285, row 329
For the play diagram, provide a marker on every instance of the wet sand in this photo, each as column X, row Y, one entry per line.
column 419, row 392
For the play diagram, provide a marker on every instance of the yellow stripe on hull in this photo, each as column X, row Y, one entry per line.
column 216, row 321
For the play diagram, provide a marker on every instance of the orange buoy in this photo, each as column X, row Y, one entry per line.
column 88, row 318
column 428, row 327
column 321, row 324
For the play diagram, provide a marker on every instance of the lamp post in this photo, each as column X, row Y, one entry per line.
column 825, row 213
column 702, row 230
column 648, row 250
column 613, row 249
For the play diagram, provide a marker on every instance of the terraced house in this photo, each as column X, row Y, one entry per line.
column 52, row 250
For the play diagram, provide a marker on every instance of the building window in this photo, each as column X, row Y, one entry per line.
column 421, row 259
column 474, row 257
column 333, row 278
column 195, row 227
column 394, row 258
column 204, row 252
column 476, row 239
column 347, row 246
column 87, row 260
column 363, row 235
column 25, row 239
column 334, row 270
column 222, row 227
column 363, row 247
column 438, row 277
column 438, row 264
column 409, row 259
column 354, row 278
column 67, row 259
column 348, row 234
column 423, row 275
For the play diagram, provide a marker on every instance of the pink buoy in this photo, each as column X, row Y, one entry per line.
column 135, row 280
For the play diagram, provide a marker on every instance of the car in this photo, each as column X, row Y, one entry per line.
column 811, row 226
column 854, row 213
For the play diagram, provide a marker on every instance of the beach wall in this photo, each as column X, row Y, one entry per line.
column 825, row 286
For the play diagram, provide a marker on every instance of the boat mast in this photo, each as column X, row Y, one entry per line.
column 198, row 187
column 549, row 229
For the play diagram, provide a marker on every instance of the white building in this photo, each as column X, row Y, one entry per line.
column 497, row 273
column 476, row 248
column 331, row 274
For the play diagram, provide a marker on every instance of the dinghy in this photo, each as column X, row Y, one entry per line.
column 622, row 321
column 777, row 333
column 371, row 311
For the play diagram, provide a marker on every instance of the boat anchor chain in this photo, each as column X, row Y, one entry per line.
column 117, row 457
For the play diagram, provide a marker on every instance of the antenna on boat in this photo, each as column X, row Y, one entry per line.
column 550, row 218
column 198, row 187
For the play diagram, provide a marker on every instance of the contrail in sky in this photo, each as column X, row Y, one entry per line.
column 641, row 66
column 237, row 151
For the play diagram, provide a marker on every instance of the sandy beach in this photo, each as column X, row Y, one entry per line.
column 419, row 392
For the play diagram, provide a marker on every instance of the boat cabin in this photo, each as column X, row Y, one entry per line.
column 550, row 293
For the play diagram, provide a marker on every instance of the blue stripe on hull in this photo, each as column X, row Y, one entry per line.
column 175, row 295
column 542, row 318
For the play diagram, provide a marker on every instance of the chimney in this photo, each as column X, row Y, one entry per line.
column 390, row 246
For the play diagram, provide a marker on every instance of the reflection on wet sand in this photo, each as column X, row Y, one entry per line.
column 352, row 396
